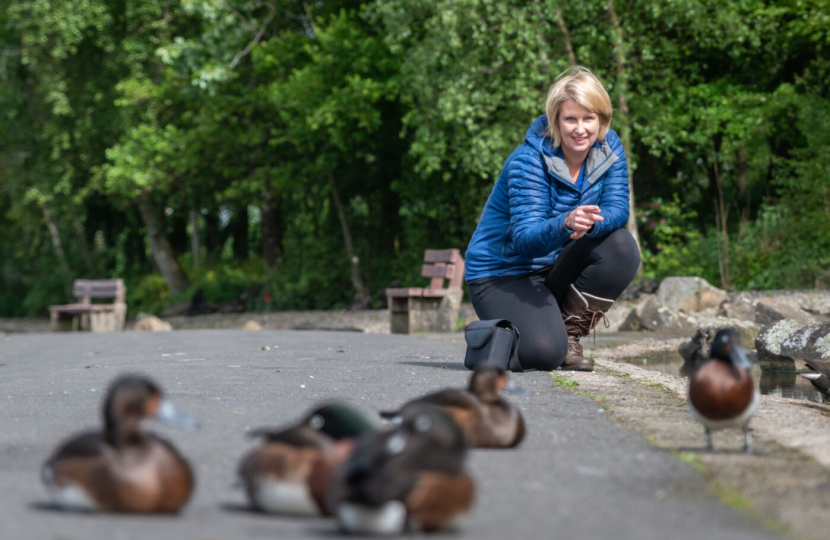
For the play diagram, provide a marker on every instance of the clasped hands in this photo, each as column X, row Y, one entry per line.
column 582, row 219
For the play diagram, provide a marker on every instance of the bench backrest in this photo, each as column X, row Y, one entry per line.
column 86, row 289
column 443, row 264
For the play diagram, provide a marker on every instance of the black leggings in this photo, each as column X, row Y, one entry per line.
column 601, row 267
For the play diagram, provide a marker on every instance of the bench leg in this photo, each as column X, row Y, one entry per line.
column 399, row 315
column 435, row 314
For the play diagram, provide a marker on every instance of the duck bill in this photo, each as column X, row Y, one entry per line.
column 739, row 358
column 167, row 414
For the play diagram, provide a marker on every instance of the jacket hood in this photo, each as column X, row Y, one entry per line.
column 536, row 135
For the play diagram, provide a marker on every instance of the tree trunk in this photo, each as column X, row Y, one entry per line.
column 271, row 229
column 213, row 235
column 566, row 35
column 625, row 124
column 163, row 253
column 240, row 234
column 195, row 247
column 361, row 295
column 57, row 244
column 81, row 234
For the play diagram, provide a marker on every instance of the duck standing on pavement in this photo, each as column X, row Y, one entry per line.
column 819, row 375
column 409, row 477
column 722, row 393
column 486, row 419
column 123, row 469
column 290, row 471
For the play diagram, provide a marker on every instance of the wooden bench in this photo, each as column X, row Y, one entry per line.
column 86, row 315
column 433, row 308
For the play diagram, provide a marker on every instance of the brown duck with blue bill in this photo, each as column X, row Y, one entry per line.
column 290, row 471
column 410, row 477
column 123, row 469
column 486, row 419
column 722, row 393
column 819, row 375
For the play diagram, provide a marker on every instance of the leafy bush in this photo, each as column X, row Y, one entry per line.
column 671, row 243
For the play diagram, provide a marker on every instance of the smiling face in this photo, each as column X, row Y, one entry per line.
column 579, row 128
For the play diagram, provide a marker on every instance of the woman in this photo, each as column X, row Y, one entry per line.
column 551, row 253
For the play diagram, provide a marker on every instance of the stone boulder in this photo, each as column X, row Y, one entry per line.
column 616, row 316
column 689, row 294
column 647, row 314
column 748, row 330
column 151, row 323
column 699, row 347
column 252, row 326
column 786, row 344
column 738, row 306
column 771, row 310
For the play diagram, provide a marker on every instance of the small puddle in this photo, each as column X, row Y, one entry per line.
column 787, row 384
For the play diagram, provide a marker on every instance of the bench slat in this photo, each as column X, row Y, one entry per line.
column 438, row 270
column 411, row 291
column 82, row 308
column 99, row 288
column 434, row 292
column 442, row 255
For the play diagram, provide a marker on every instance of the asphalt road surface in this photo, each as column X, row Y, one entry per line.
column 578, row 475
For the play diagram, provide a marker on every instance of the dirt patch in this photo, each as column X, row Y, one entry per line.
column 788, row 482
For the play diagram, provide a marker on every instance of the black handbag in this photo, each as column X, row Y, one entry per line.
column 495, row 341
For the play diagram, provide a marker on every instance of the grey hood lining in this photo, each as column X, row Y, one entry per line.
column 598, row 161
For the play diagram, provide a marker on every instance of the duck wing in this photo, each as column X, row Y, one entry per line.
column 85, row 445
column 455, row 398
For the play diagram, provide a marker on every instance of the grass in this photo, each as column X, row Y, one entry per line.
column 563, row 382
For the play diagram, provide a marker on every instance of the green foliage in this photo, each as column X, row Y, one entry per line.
column 149, row 294
column 241, row 119
column 671, row 245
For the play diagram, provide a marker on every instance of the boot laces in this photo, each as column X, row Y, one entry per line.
column 582, row 326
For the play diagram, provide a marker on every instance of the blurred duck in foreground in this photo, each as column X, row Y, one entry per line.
column 289, row 472
column 485, row 418
column 123, row 469
column 819, row 375
column 722, row 393
column 411, row 477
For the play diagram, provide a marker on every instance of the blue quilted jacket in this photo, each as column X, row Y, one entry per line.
column 522, row 227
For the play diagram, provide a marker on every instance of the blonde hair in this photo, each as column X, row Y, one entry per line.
column 581, row 85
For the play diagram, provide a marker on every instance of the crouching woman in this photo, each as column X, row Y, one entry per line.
column 551, row 252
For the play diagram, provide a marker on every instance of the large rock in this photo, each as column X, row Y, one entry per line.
column 649, row 315
column 252, row 326
column 748, row 330
column 738, row 306
column 616, row 316
column 689, row 294
column 771, row 310
column 151, row 323
column 786, row 344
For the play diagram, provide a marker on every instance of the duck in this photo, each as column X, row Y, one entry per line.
column 407, row 478
column 486, row 419
column 819, row 375
column 722, row 393
column 122, row 468
column 288, row 473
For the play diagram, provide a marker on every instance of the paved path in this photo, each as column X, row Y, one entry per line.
column 579, row 474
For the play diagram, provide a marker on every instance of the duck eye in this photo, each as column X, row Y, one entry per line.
column 724, row 338
column 423, row 423
column 316, row 421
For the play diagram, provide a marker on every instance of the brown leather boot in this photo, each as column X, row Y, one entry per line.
column 581, row 313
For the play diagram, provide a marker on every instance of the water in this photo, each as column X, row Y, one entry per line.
column 787, row 384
